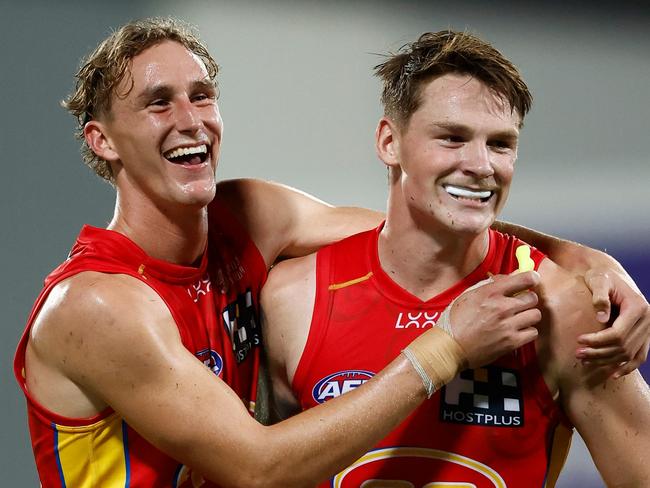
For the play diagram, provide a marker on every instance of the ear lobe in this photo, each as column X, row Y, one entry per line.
column 98, row 141
column 387, row 142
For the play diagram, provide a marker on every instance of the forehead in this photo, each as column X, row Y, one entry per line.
column 165, row 63
column 457, row 97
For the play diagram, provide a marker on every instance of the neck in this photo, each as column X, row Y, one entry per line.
column 427, row 261
column 177, row 235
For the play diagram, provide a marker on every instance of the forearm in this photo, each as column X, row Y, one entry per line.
column 316, row 444
column 326, row 225
column 570, row 255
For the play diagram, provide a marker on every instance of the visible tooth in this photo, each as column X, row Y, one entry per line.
column 458, row 191
column 184, row 151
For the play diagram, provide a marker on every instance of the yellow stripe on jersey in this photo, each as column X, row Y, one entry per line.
column 559, row 452
column 93, row 455
column 338, row 286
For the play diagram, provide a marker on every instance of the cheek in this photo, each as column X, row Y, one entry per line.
column 504, row 169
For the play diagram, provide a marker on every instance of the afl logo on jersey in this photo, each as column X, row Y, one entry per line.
column 211, row 359
column 338, row 383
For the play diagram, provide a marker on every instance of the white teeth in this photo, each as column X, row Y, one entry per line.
column 184, row 151
column 459, row 191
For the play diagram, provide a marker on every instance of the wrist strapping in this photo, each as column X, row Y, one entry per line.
column 436, row 357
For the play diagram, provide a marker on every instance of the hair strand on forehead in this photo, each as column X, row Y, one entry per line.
column 434, row 54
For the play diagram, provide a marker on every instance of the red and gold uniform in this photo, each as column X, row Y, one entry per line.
column 215, row 307
column 492, row 427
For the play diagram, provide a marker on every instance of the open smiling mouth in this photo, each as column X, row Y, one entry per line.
column 461, row 192
column 188, row 156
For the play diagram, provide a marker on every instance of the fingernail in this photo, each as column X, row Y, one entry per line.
column 580, row 353
column 601, row 316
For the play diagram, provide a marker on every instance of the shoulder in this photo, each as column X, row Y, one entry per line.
column 97, row 315
column 266, row 210
column 256, row 201
column 567, row 313
column 566, row 298
column 290, row 283
column 287, row 304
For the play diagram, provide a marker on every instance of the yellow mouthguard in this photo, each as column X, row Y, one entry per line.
column 523, row 258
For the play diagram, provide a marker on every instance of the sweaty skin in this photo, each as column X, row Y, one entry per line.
column 432, row 239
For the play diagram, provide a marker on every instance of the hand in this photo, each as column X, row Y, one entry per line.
column 624, row 345
column 496, row 318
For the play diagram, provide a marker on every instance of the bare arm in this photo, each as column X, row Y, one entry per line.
column 285, row 222
column 141, row 369
column 625, row 344
column 479, row 319
column 613, row 417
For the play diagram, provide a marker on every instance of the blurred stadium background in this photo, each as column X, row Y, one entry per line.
column 300, row 107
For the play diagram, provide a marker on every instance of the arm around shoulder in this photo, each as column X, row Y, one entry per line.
column 612, row 416
column 286, row 222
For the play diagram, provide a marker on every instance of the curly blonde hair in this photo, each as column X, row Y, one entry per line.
column 103, row 70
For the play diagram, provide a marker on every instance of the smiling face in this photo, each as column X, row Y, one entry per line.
column 163, row 133
column 452, row 163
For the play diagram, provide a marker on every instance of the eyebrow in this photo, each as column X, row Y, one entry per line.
column 166, row 91
column 464, row 129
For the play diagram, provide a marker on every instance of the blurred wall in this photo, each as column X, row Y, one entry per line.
column 300, row 107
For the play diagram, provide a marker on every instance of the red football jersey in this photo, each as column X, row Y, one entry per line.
column 215, row 307
column 495, row 426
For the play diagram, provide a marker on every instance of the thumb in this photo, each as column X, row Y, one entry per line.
column 600, row 286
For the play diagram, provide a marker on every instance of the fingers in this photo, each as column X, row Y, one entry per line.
column 600, row 284
column 524, row 336
column 627, row 368
column 512, row 284
column 524, row 301
column 624, row 353
column 526, row 319
column 603, row 355
column 631, row 317
column 603, row 338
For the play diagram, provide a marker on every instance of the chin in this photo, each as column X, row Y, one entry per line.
column 197, row 197
column 473, row 226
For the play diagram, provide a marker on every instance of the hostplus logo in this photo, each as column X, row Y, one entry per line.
column 241, row 323
column 489, row 396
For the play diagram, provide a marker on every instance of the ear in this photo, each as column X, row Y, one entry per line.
column 98, row 141
column 387, row 142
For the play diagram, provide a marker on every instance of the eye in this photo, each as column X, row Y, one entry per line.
column 451, row 139
column 158, row 104
column 207, row 95
column 501, row 146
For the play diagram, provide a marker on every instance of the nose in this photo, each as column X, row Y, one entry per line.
column 476, row 160
column 188, row 118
